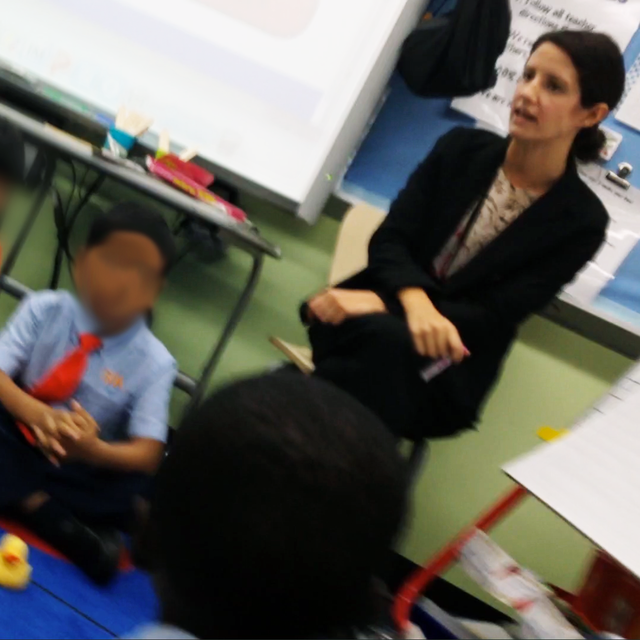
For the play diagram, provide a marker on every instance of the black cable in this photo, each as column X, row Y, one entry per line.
column 63, row 244
column 89, row 191
column 60, row 214
column 67, row 216
column 74, row 181
column 84, row 200
column 75, row 185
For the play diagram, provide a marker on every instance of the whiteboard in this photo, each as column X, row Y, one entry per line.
column 275, row 92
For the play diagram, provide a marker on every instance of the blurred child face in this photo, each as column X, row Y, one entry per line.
column 120, row 279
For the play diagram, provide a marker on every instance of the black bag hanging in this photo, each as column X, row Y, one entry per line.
column 455, row 55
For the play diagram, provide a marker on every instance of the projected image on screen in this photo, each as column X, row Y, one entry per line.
column 285, row 18
column 263, row 88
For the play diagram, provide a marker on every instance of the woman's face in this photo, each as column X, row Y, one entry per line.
column 547, row 104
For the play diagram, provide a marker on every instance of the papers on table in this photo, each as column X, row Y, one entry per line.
column 591, row 477
column 622, row 236
column 629, row 111
column 602, row 269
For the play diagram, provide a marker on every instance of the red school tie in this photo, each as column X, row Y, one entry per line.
column 64, row 378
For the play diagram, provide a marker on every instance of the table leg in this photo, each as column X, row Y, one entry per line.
column 197, row 389
column 14, row 288
column 228, row 331
column 34, row 212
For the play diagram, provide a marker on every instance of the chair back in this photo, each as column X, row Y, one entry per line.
column 352, row 246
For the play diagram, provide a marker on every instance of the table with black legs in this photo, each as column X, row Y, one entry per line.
column 56, row 146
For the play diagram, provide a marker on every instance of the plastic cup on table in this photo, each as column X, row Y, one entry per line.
column 119, row 142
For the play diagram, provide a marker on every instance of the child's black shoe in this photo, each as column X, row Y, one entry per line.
column 95, row 551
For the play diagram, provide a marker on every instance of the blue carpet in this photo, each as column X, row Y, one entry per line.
column 127, row 603
column 37, row 614
column 62, row 603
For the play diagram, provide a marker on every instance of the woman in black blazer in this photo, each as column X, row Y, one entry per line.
column 486, row 232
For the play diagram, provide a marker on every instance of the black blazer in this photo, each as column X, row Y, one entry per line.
column 516, row 275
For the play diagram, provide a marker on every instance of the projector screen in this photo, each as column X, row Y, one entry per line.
column 273, row 92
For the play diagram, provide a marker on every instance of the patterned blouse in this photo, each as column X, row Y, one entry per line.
column 503, row 205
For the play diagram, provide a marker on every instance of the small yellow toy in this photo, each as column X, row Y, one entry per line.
column 549, row 434
column 15, row 571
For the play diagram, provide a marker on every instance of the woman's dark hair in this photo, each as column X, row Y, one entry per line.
column 601, row 73
column 274, row 510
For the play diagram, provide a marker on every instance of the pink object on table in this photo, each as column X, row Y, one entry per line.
column 188, row 169
column 168, row 170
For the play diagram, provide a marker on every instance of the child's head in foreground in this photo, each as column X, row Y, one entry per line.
column 277, row 505
column 12, row 161
column 121, row 269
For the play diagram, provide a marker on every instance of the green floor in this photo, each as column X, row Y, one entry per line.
column 551, row 377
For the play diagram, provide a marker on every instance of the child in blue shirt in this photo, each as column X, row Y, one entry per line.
column 96, row 448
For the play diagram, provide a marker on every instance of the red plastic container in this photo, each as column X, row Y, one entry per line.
column 174, row 173
column 188, row 169
column 610, row 598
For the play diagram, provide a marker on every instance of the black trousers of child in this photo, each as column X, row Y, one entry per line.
column 95, row 496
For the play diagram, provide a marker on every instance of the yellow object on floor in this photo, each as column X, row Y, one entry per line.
column 548, row 434
column 15, row 571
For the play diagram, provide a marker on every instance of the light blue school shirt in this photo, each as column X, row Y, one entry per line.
column 128, row 382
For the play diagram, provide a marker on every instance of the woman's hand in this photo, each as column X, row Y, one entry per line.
column 433, row 335
column 334, row 306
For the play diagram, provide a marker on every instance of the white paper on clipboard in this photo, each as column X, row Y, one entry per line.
column 623, row 235
column 590, row 476
column 629, row 111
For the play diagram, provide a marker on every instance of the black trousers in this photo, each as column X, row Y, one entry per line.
column 373, row 359
column 94, row 495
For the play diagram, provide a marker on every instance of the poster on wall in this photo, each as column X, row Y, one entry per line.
column 532, row 18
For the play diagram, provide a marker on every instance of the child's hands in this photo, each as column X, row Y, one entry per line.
column 50, row 428
column 83, row 420
column 81, row 449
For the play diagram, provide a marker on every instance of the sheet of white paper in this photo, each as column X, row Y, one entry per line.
column 602, row 269
column 532, row 18
column 623, row 235
column 629, row 112
column 591, row 477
